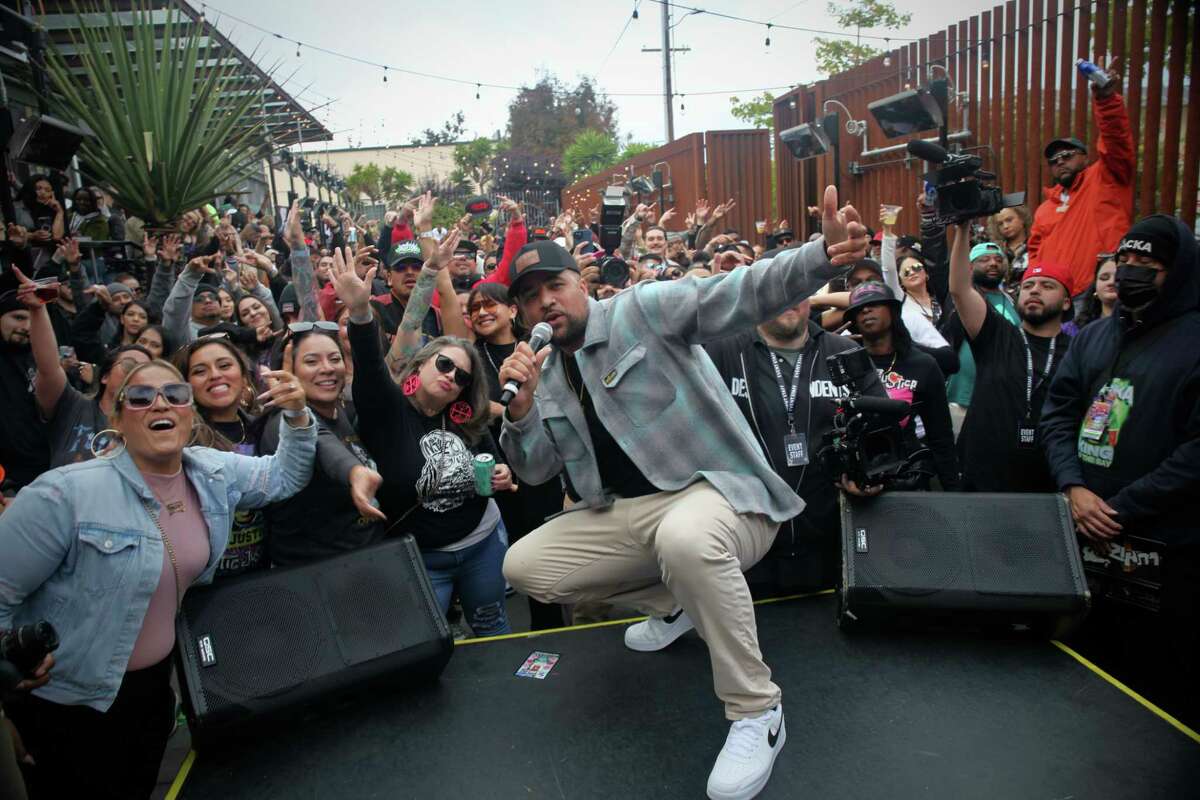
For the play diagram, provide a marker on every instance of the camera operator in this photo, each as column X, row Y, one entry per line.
column 907, row 374
column 779, row 378
column 1121, row 428
column 1014, row 366
column 1088, row 207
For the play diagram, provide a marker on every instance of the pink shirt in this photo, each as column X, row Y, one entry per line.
column 184, row 525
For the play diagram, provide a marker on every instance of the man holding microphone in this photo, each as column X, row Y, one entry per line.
column 674, row 498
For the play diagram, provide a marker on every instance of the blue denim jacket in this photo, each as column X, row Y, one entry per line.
column 78, row 549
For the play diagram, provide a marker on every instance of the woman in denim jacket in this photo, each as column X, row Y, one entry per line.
column 104, row 550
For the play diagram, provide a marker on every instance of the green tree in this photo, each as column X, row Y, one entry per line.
column 632, row 149
column 757, row 111
column 475, row 161
column 839, row 55
column 451, row 132
column 365, row 179
column 395, row 185
column 546, row 118
column 590, row 152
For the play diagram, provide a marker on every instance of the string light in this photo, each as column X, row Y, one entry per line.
column 385, row 74
column 768, row 42
column 635, row 14
column 297, row 49
column 682, row 107
column 477, row 91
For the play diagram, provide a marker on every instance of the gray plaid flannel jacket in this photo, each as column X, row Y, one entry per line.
column 658, row 393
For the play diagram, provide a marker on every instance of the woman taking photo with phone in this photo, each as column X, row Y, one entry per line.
column 104, row 551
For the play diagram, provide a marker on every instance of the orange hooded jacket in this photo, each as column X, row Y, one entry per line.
column 1099, row 204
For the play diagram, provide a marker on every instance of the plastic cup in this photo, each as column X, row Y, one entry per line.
column 891, row 213
column 760, row 226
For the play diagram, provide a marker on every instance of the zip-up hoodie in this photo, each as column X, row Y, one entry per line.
column 1147, row 463
column 743, row 360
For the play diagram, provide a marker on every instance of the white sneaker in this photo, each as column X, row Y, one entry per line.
column 655, row 633
column 745, row 762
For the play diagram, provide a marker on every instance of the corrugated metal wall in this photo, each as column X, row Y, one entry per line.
column 1015, row 64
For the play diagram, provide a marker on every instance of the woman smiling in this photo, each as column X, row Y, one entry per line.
column 104, row 551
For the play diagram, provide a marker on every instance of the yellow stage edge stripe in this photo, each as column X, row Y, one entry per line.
column 611, row 622
column 1151, row 707
column 181, row 776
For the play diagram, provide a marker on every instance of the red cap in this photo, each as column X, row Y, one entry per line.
column 1053, row 271
column 878, row 237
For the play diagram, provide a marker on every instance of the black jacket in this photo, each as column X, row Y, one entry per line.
column 744, row 363
column 1147, row 464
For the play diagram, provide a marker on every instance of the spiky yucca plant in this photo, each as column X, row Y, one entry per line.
column 174, row 126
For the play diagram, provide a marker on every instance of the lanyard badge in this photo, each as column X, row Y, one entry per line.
column 795, row 445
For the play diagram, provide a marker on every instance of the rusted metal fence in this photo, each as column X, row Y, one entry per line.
column 1015, row 88
column 715, row 165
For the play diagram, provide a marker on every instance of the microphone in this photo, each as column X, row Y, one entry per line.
column 934, row 154
column 883, row 406
column 538, row 338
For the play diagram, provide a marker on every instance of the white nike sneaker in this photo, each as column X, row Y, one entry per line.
column 655, row 633
column 745, row 762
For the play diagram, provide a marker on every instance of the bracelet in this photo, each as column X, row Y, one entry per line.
column 427, row 235
column 290, row 413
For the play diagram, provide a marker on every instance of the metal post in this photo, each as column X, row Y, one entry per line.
column 666, row 54
column 274, row 193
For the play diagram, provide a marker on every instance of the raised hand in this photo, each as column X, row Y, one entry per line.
column 285, row 392
column 444, row 252
column 17, row 235
column 689, row 221
column 422, row 213
column 845, row 235
column 150, row 247
column 510, row 207
column 27, row 290
column 100, row 292
column 352, row 290
column 293, row 233
column 702, row 212
column 68, row 250
column 365, row 259
column 206, row 265
column 669, row 214
column 722, row 209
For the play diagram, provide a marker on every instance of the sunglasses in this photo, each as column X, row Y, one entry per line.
column 320, row 325
column 483, row 305
column 913, row 270
column 1058, row 158
column 445, row 366
column 140, row 397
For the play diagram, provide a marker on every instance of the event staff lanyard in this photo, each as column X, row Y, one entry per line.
column 1029, row 368
column 789, row 400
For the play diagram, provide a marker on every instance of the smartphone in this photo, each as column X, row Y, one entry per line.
column 66, row 351
column 581, row 235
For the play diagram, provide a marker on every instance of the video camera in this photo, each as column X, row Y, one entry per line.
column 867, row 442
column 22, row 650
column 613, row 269
column 964, row 191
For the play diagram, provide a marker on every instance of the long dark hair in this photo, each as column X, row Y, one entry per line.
column 499, row 293
column 1093, row 309
column 28, row 193
column 476, row 394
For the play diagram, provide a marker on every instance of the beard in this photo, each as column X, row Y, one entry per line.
column 777, row 329
column 572, row 335
column 1046, row 314
column 985, row 281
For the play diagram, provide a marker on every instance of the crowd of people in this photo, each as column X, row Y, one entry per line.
column 244, row 392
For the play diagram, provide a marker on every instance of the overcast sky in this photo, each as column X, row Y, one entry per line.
column 513, row 42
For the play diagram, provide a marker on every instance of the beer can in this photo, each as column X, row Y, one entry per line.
column 485, row 463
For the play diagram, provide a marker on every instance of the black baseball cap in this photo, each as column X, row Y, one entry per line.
column 1068, row 143
column 867, row 294
column 405, row 252
column 539, row 256
column 205, row 288
column 466, row 246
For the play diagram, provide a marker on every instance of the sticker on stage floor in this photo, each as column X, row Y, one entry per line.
column 538, row 665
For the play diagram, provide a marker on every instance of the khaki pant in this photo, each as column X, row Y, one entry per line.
column 656, row 553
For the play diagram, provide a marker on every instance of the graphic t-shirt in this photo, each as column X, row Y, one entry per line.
column 247, row 547
column 76, row 421
column 915, row 378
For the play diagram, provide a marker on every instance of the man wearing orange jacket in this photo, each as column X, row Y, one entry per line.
column 1089, row 207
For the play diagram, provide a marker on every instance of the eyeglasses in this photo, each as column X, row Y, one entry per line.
column 445, row 366
column 320, row 325
column 1059, row 158
column 140, row 397
column 486, row 304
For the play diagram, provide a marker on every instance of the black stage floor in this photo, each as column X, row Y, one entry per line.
column 868, row 716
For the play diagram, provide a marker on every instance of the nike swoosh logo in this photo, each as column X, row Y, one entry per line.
column 671, row 619
column 773, row 736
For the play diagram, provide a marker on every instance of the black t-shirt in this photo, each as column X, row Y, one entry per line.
column 247, row 547
column 390, row 311
column 428, row 471
column 24, row 442
column 76, row 420
column 493, row 356
column 915, row 378
column 321, row 520
column 989, row 448
column 618, row 474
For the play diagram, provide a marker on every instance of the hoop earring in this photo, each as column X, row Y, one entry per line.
column 411, row 384
column 108, row 451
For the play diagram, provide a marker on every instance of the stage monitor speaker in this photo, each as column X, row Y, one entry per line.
column 253, row 646
column 46, row 141
column 961, row 557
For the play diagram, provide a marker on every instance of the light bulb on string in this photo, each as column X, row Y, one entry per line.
column 477, row 91
column 297, row 49
column 385, row 74
column 768, row 41
column 635, row 14
column 682, row 107
column 887, row 58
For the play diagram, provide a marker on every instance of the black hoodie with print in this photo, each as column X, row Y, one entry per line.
column 1145, row 368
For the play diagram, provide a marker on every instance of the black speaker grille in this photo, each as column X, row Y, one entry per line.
column 266, row 639
column 373, row 609
column 911, row 549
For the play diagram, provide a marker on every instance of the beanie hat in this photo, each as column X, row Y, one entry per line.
column 1155, row 236
column 9, row 302
column 115, row 289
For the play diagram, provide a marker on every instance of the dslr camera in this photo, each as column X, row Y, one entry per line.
column 613, row 269
column 867, row 443
column 22, row 650
column 964, row 190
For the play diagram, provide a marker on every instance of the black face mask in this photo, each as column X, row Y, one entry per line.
column 1135, row 286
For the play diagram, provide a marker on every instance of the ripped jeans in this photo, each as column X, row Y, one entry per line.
column 475, row 572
